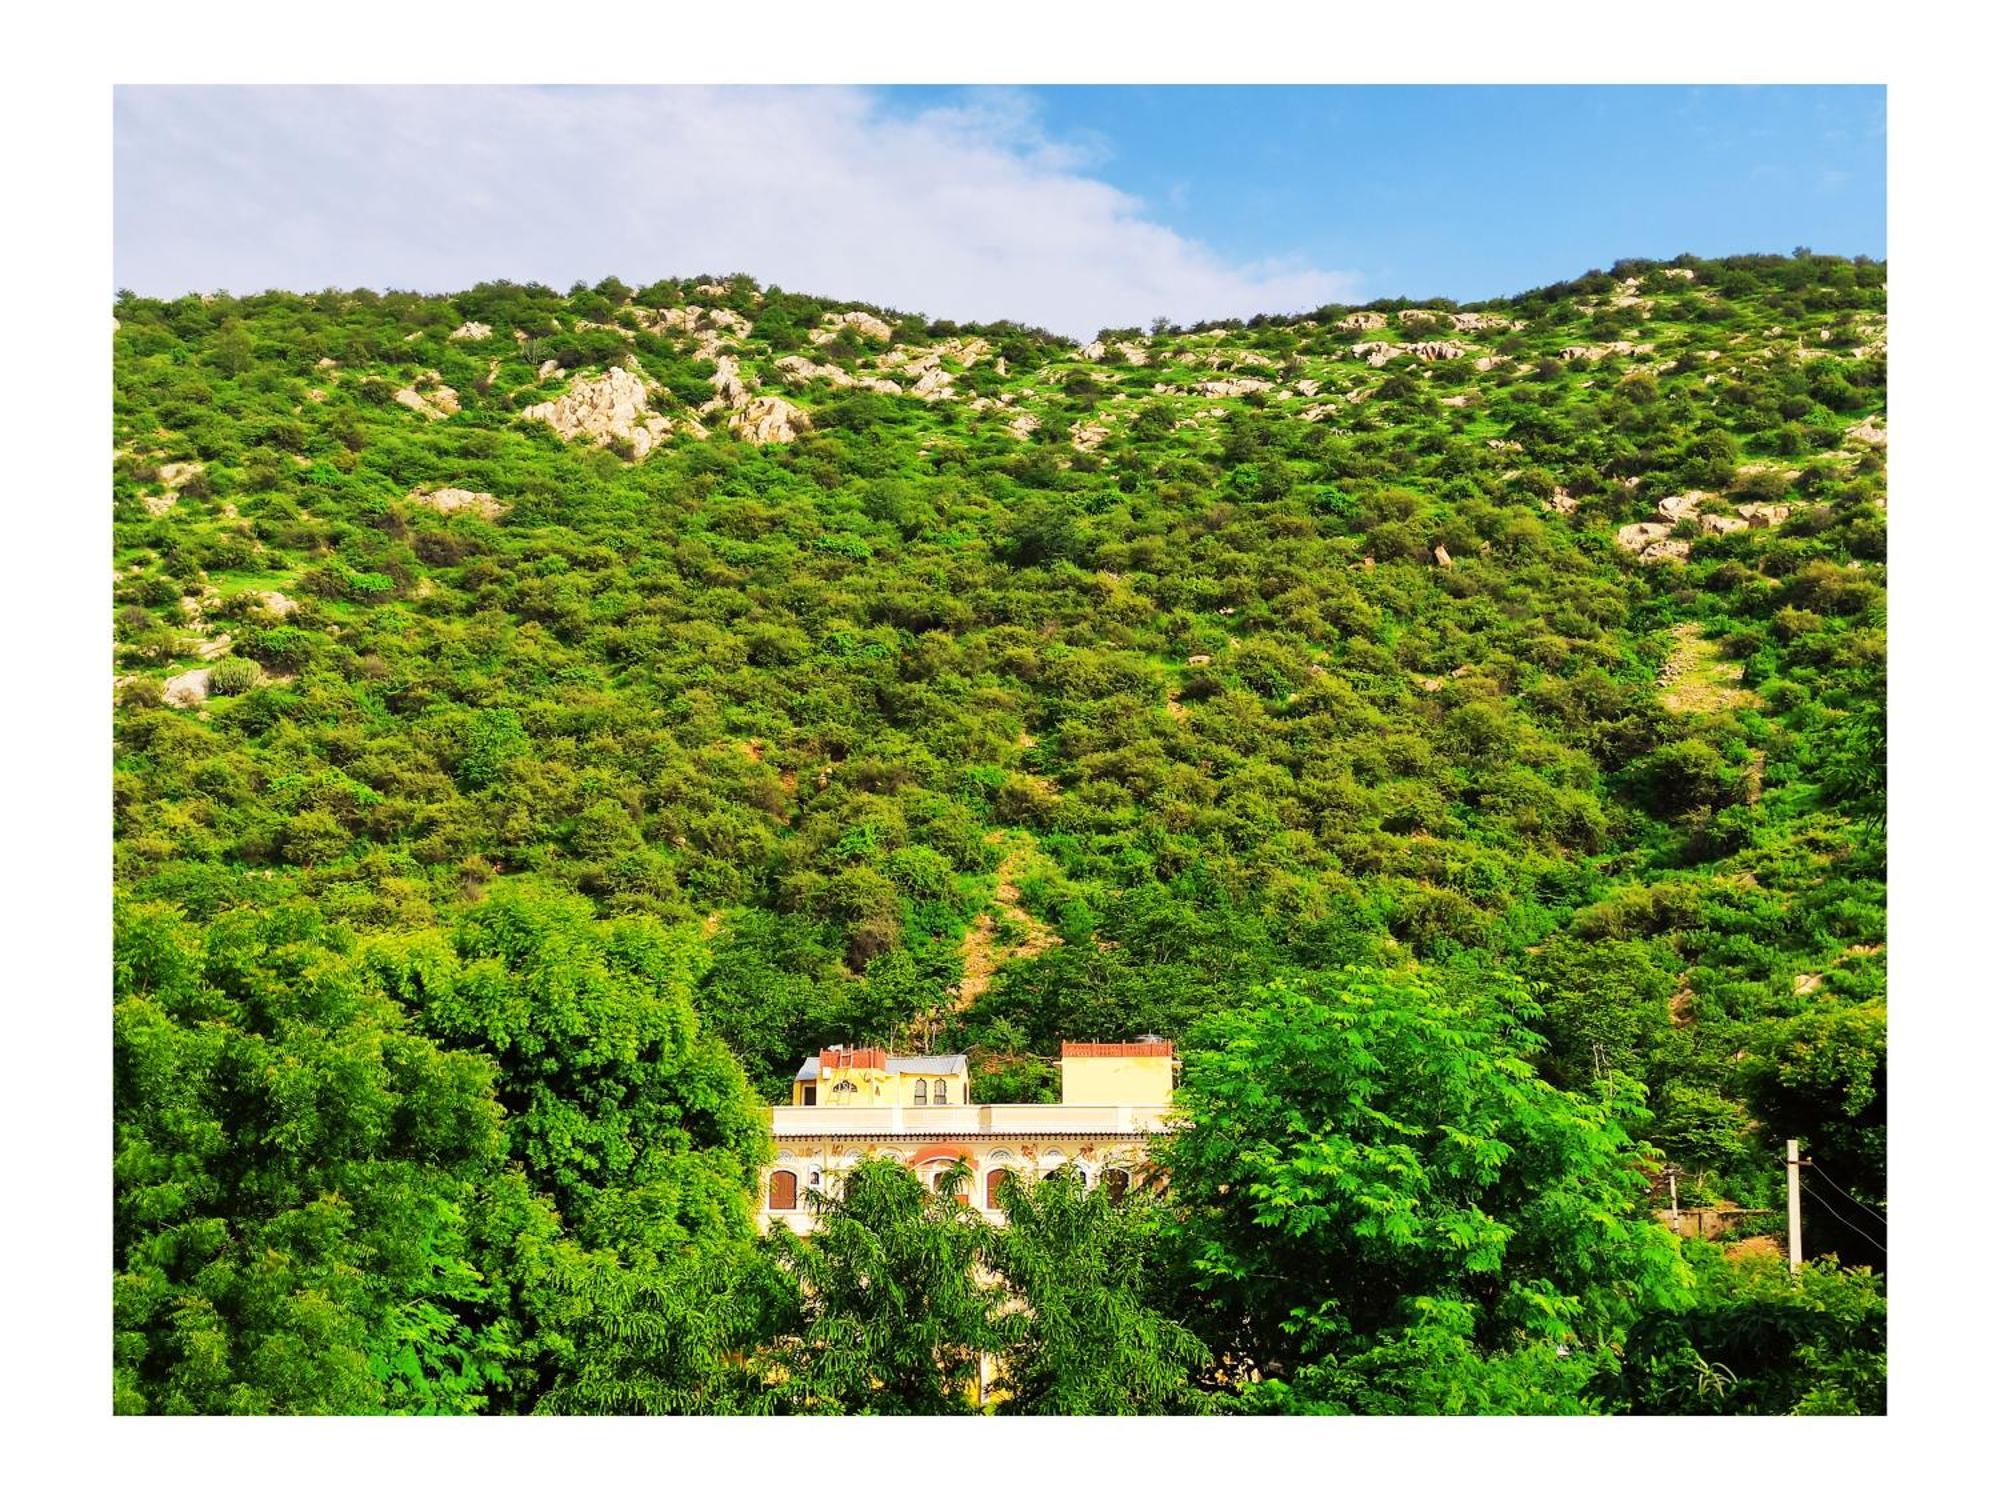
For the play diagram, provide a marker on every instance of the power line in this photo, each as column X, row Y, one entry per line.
column 1854, row 1227
column 1847, row 1195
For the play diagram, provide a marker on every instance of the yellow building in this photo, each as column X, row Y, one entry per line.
column 1140, row 1072
column 852, row 1102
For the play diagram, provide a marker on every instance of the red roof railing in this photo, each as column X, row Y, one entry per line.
column 1117, row 1049
column 854, row 1057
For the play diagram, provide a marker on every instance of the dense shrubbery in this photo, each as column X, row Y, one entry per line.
column 919, row 731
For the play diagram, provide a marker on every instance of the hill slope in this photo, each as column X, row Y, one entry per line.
column 971, row 688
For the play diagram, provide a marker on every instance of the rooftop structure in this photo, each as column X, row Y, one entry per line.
column 852, row 1076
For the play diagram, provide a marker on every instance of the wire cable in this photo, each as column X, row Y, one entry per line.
column 1847, row 1195
column 1856, row 1228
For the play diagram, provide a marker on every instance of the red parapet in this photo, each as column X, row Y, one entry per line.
column 853, row 1057
column 1117, row 1049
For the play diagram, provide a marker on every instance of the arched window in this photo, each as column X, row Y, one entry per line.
column 784, row 1191
column 1117, row 1182
column 845, row 1086
column 917, row 1096
column 939, row 1094
column 993, row 1180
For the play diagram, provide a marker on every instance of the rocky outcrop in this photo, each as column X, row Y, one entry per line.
column 1379, row 354
column 469, row 331
column 731, row 391
column 663, row 322
column 1680, row 507
column 189, row 690
column 768, row 419
column 1024, row 424
column 1240, row 385
column 1474, row 322
column 1652, row 542
column 1869, row 431
column 1723, row 525
column 448, row 502
column 172, row 476
column 796, row 369
column 1562, row 502
column 1760, row 515
column 1086, row 436
column 430, row 397
column 1595, row 352
column 864, row 323
column 1361, row 322
column 1677, row 273
column 614, row 406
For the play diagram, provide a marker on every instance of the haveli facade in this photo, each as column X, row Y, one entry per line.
column 851, row 1102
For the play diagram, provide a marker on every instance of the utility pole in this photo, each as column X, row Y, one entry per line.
column 1792, row 1200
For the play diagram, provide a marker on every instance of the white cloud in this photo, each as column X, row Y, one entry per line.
column 968, row 212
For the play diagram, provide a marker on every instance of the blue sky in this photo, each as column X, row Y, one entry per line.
column 1071, row 207
column 1475, row 192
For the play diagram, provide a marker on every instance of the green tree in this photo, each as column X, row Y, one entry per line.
column 1091, row 1337
column 618, row 1105
column 1759, row 1340
column 294, row 1164
column 890, row 1317
column 1378, row 1191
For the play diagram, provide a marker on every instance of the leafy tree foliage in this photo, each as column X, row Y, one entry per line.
column 1380, row 1190
column 891, row 1317
column 291, row 1179
column 1759, row 1340
column 1094, row 1336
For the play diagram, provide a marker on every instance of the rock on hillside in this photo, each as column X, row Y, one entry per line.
column 614, row 406
column 451, row 501
column 429, row 397
column 188, row 690
column 769, row 419
column 864, row 323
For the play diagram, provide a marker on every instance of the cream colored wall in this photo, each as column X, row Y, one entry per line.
column 1117, row 1080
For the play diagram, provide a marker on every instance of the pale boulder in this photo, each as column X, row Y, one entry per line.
column 612, row 406
column 430, row 397
column 449, row 502
column 768, row 419
column 188, row 690
column 864, row 323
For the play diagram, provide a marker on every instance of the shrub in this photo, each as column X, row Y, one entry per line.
column 233, row 675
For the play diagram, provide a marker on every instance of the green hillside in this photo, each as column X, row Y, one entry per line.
column 542, row 719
